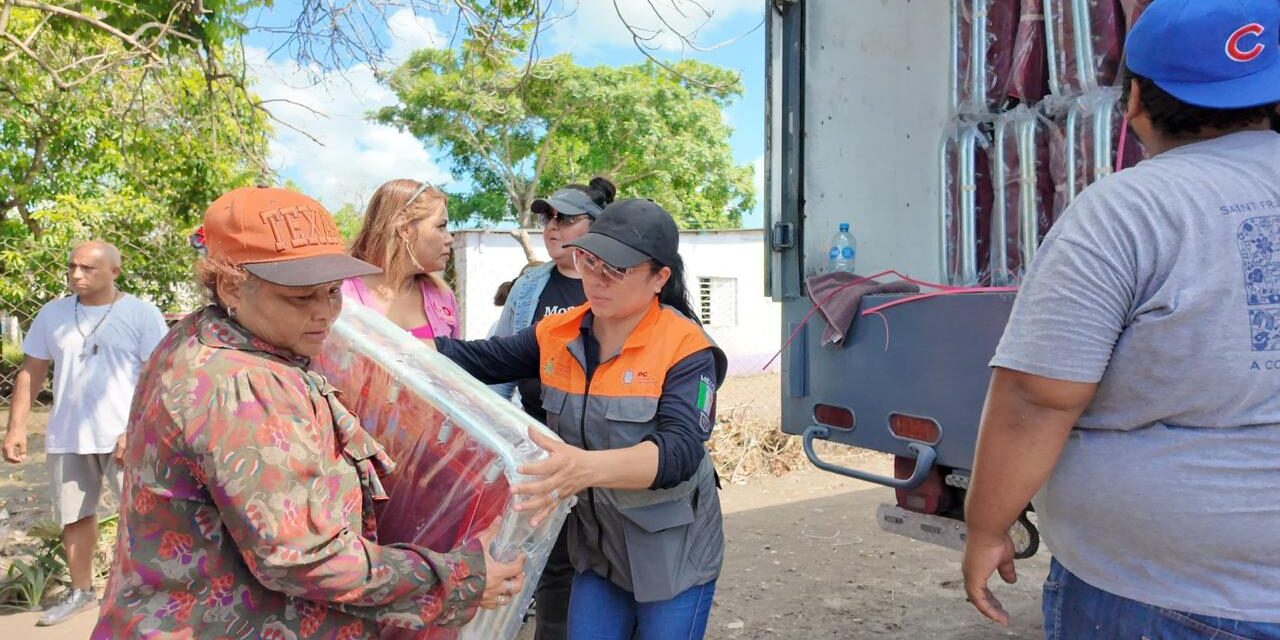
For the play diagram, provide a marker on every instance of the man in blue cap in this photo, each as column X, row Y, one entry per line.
column 1135, row 395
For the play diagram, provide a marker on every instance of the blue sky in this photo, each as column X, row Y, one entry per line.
column 353, row 156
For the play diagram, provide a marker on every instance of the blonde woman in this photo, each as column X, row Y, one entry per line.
column 405, row 233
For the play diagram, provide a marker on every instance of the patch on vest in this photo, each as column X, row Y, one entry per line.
column 706, row 402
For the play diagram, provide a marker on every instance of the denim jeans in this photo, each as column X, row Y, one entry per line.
column 1074, row 610
column 599, row 610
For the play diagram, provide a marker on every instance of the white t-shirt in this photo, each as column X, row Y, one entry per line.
column 93, row 380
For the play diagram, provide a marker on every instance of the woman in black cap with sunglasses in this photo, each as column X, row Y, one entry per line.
column 628, row 380
column 550, row 289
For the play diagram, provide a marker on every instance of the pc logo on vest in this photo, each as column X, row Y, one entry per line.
column 1235, row 44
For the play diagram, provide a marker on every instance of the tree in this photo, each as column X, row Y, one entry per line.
column 133, row 156
column 523, row 132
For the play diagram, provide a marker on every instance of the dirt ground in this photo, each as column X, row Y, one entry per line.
column 804, row 559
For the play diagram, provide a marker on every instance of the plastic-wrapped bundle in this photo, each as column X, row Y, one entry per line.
column 1087, row 147
column 1106, row 38
column 965, row 204
column 1023, row 188
column 1065, row 75
column 1063, row 190
column 457, row 446
column 983, row 37
column 1028, row 77
column 1084, row 40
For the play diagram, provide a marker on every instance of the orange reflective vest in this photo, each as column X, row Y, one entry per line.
column 654, row 543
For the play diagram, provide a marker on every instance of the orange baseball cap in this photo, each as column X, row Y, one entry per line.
column 280, row 236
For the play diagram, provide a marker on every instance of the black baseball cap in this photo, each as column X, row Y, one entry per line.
column 567, row 201
column 632, row 232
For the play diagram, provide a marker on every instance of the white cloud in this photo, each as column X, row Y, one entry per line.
column 410, row 32
column 596, row 23
column 353, row 155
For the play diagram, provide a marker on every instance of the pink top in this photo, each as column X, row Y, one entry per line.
column 439, row 304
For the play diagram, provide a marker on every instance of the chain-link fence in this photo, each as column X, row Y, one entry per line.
column 33, row 271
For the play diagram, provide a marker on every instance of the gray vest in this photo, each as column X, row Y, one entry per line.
column 653, row 543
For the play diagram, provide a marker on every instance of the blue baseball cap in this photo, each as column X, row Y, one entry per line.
column 1217, row 54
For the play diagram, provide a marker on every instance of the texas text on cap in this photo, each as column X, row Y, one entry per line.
column 1218, row 54
column 567, row 201
column 280, row 236
column 631, row 232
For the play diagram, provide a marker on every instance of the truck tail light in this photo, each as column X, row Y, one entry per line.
column 835, row 417
column 916, row 428
column 930, row 497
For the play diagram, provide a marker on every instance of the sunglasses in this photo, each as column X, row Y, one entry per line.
column 565, row 219
column 585, row 261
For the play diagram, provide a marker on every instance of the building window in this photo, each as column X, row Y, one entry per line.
column 718, row 301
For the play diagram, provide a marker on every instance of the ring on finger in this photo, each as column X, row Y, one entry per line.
column 555, row 494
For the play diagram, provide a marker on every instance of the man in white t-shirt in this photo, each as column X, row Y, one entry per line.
column 97, row 340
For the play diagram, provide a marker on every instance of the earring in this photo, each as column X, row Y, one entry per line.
column 231, row 312
column 412, row 258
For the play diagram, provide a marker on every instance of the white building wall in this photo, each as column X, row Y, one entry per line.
column 750, row 335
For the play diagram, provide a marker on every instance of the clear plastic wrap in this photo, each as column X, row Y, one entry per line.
column 1065, row 76
column 1022, row 187
column 1084, row 40
column 1093, row 128
column 1055, row 110
column 966, row 198
column 1084, row 149
column 1028, row 77
column 457, row 446
column 1107, row 29
column 983, row 37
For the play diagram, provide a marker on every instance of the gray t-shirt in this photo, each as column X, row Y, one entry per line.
column 1162, row 284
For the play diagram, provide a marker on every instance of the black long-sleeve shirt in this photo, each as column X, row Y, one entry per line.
column 686, row 408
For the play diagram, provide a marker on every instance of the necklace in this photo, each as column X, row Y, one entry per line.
column 85, row 336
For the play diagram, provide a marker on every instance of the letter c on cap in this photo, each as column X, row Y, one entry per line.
column 1233, row 43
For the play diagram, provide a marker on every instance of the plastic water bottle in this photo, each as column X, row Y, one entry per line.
column 844, row 250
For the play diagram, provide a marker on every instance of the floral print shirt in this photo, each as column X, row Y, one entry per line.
column 247, row 507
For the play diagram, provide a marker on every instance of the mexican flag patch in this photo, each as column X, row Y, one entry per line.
column 706, row 394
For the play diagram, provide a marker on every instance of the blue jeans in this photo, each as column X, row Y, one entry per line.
column 1074, row 610
column 599, row 610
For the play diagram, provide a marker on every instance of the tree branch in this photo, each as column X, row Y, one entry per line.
column 18, row 199
column 87, row 19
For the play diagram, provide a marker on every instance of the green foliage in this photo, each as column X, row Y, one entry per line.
column 26, row 583
column 11, row 355
column 349, row 221
column 518, row 132
column 132, row 156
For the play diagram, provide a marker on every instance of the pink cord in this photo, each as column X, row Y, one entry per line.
column 1124, row 137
